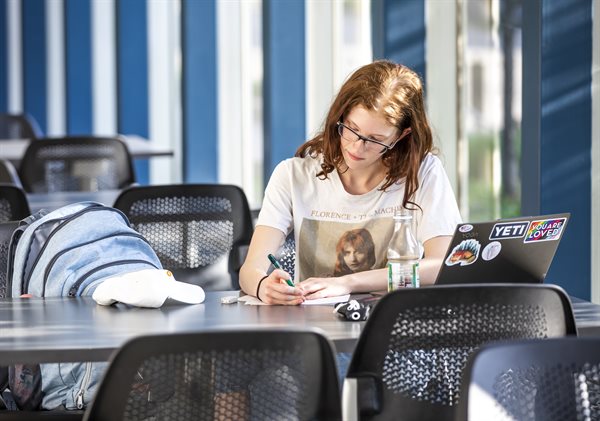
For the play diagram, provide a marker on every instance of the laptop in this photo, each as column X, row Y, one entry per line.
column 517, row 250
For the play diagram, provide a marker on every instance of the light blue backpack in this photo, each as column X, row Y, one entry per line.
column 69, row 252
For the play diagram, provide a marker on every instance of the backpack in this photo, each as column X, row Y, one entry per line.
column 69, row 252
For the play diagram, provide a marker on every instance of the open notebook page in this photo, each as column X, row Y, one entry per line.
column 253, row 301
column 327, row 300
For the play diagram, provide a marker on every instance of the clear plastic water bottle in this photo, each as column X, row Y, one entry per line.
column 403, row 253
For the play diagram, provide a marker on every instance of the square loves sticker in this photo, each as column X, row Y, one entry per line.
column 544, row 230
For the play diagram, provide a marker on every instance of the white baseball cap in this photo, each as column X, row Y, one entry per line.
column 146, row 288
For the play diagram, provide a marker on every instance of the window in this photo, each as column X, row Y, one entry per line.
column 240, row 96
column 492, row 113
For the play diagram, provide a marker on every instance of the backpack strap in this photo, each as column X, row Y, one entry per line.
column 32, row 218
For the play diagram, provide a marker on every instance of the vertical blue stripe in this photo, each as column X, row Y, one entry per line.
column 3, row 57
column 531, row 105
column 200, row 115
column 284, row 80
column 378, row 28
column 34, row 60
column 132, row 74
column 566, row 132
column 399, row 32
column 78, row 66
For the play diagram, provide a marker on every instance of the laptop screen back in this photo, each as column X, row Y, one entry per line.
column 516, row 250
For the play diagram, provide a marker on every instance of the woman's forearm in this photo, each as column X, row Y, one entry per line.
column 265, row 240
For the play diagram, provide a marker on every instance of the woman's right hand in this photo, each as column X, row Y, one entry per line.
column 274, row 290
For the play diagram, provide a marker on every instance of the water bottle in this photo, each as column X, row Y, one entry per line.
column 403, row 253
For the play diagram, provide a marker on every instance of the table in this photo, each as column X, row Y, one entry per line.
column 51, row 201
column 14, row 149
column 67, row 329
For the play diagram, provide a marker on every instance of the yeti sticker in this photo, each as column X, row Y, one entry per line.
column 505, row 230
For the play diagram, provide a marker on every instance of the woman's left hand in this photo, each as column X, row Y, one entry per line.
column 324, row 287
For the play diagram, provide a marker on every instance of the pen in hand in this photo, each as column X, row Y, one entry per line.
column 276, row 264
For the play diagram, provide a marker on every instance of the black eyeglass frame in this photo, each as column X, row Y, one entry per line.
column 341, row 126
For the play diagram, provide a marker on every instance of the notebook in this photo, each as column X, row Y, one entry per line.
column 517, row 250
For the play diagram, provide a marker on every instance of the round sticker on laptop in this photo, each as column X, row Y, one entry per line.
column 490, row 251
column 465, row 228
column 464, row 254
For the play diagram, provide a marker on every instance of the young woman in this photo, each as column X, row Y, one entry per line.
column 374, row 155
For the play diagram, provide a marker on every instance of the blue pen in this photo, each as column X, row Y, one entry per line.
column 276, row 264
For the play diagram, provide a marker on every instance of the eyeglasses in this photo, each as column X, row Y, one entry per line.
column 370, row 144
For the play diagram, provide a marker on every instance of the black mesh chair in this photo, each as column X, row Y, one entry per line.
column 76, row 164
column 6, row 230
column 13, row 207
column 550, row 380
column 200, row 232
column 19, row 126
column 236, row 375
column 13, row 203
column 287, row 255
column 409, row 359
column 8, row 173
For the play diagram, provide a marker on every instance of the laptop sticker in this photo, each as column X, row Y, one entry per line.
column 465, row 253
column 490, row 251
column 505, row 230
column 465, row 228
column 545, row 230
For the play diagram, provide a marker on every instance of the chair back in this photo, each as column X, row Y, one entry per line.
column 19, row 126
column 13, row 203
column 6, row 231
column 76, row 164
column 260, row 375
column 550, row 379
column 200, row 232
column 8, row 173
column 409, row 359
column 287, row 255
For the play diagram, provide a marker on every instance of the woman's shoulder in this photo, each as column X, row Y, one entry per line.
column 430, row 163
column 302, row 164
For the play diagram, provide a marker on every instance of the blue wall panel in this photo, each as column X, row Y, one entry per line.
column 284, row 80
column 3, row 58
column 34, row 60
column 566, row 132
column 78, row 66
column 200, row 116
column 132, row 74
column 532, row 107
column 556, row 151
column 399, row 32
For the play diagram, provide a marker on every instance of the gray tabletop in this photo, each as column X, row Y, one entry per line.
column 68, row 329
column 55, row 200
column 14, row 149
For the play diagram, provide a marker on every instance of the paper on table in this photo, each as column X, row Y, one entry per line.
column 253, row 301
column 327, row 300
column 249, row 300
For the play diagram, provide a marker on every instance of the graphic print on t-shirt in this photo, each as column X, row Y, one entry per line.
column 331, row 248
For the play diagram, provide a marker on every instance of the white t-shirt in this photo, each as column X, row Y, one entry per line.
column 321, row 211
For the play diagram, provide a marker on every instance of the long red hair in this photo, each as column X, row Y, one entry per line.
column 395, row 92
